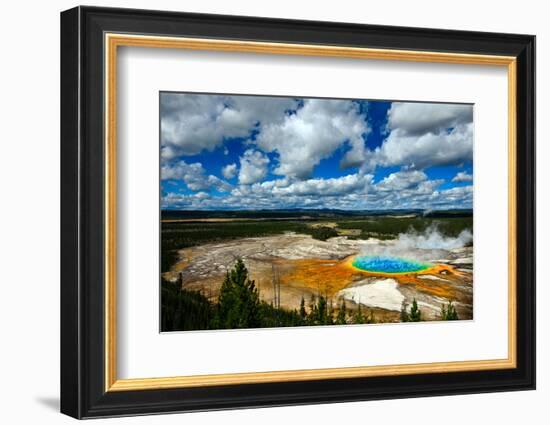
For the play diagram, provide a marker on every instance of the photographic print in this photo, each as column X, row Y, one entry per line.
column 299, row 195
column 294, row 211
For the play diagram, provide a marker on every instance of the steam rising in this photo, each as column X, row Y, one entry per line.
column 432, row 238
column 428, row 245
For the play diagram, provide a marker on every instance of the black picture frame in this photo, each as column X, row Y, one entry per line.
column 83, row 392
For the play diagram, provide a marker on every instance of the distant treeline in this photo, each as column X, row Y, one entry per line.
column 449, row 214
column 300, row 213
column 239, row 307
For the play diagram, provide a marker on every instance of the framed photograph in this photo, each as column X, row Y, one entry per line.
column 261, row 212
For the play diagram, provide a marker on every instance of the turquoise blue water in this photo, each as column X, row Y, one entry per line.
column 377, row 264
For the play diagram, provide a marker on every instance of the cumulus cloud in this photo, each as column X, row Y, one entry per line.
column 406, row 189
column 456, row 196
column 191, row 201
column 416, row 119
column 253, row 167
column 401, row 190
column 194, row 176
column 402, row 180
column 420, row 135
column 444, row 148
column 229, row 171
column 304, row 132
column 339, row 186
column 192, row 123
column 311, row 134
column 346, row 192
column 353, row 183
column 462, row 176
column 300, row 133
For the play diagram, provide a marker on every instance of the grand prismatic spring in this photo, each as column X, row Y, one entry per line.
column 389, row 265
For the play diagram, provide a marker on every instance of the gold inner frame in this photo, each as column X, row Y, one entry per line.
column 113, row 41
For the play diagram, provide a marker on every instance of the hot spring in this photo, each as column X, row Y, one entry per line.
column 383, row 264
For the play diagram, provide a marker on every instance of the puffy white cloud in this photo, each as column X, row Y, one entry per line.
column 401, row 180
column 300, row 134
column 229, row 171
column 456, row 197
column 458, row 193
column 311, row 134
column 444, row 148
column 420, row 135
column 346, row 192
column 463, row 176
column 406, row 189
column 194, row 176
column 283, row 188
column 253, row 167
column 399, row 190
column 415, row 119
column 304, row 132
column 353, row 183
column 192, row 123
column 197, row 200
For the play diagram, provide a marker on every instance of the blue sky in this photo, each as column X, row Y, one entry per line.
column 258, row 152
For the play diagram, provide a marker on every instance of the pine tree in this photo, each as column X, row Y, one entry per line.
column 239, row 300
column 448, row 312
column 415, row 314
column 313, row 311
column 358, row 317
column 322, row 315
column 182, row 309
column 303, row 313
column 341, row 318
column 451, row 312
column 330, row 315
